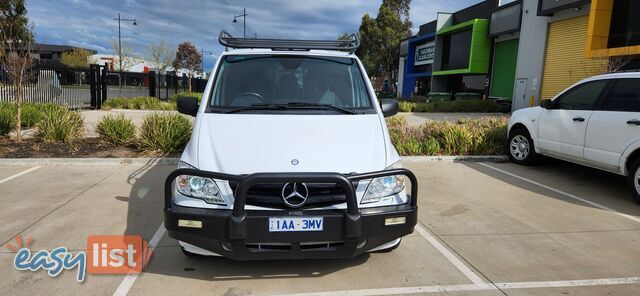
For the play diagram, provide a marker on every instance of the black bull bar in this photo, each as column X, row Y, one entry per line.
column 237, row 226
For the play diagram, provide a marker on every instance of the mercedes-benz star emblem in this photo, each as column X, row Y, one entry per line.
column 295, row 195
column 295, row 162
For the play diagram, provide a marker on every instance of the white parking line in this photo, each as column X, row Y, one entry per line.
column 480, row 287
column 569, row 195
column 131, row 278
column 474, row 278
column 19, row 174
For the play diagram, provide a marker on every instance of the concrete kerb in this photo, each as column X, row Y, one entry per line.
column 86, row 161
column 174, row 161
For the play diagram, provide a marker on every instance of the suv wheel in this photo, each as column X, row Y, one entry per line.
column 521, row 149
column 634, row 180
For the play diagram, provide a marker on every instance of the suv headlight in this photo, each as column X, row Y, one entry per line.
column 384, row 186
column 198, row 187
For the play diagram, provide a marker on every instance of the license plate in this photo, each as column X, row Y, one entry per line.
column 284, row 224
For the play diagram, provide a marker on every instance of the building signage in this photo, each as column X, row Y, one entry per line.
column 425, row 53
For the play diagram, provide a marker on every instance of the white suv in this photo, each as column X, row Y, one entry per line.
column 595, row 122
column 290, row 158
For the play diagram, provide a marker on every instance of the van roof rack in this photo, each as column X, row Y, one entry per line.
column 287, row 44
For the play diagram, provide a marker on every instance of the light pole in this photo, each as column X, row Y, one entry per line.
column 119, row 19
column 202, row 52
column 244, row 20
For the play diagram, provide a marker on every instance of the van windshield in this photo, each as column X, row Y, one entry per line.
column 268, row 83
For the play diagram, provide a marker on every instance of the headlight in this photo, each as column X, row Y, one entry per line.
column 384, row 186
column 199, row 187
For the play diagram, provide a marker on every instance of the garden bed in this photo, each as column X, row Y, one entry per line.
column 465, row 137
column 81, row 148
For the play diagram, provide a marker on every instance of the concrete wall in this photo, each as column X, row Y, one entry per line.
column 400, row 76
column 531, row 50
column 439, row 83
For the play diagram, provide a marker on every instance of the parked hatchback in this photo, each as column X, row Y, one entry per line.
column 595, row 122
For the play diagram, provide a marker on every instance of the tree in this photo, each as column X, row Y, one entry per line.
column 380, row 37
column 13, row 20
column 16, row 40
column 129, row 59
column 188, row 59
column 77, row 58
column 161, row 55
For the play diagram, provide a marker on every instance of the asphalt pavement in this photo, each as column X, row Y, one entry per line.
column 484, row 229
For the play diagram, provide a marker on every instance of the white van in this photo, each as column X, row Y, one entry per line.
column 290, row 158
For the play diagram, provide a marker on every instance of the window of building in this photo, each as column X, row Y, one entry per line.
column 625, row 96
column 456, row 50
column 625, row 25
column 46, row 56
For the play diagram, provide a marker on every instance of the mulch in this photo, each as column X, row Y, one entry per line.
column 82, row 148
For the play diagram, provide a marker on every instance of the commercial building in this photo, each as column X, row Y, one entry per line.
column 463, row 51
column 416, row 62
column 50, row 54
column 450, row 55
column 524, row 51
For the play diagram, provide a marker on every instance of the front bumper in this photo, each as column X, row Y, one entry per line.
column 243, row 235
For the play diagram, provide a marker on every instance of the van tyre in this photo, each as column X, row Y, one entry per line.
column 520, row 146
column 634, row 180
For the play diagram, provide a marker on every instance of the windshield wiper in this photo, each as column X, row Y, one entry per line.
column 318, row 105
column 288, row 106
column 259, row 106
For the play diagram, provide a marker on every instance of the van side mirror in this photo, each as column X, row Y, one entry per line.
column 389, row 107
column 188, row 105
column 546, row 104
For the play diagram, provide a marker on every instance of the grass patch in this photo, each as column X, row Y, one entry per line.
column 164, row 133
column 462, row 106
column 59, row 125
column 116, row 129
column 138, row 103
column 486, row 136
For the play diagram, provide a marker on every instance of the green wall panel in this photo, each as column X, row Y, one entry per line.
column 480, row 47
column 504, row 68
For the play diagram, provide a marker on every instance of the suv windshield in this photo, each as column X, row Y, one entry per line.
column 268, row 83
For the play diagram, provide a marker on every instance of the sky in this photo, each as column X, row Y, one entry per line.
column 90, row 23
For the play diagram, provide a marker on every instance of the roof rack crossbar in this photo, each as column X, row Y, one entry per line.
column 350, row 44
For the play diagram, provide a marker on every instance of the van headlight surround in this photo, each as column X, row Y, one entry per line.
column 382, row 187
column 199, row 187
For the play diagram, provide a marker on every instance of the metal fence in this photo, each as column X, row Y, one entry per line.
column 88, row 88
column 63, row 86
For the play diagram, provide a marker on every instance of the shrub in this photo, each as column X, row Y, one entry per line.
column 164, row 132
column 466, row 137
column 456, row 140
column 117, row 130
column 462, row 106
column 59, row 125
column 138, row 103
column 174, row 98
column 7, row 120
column 32, row 113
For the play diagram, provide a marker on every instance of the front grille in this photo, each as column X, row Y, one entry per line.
column 270, row 195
